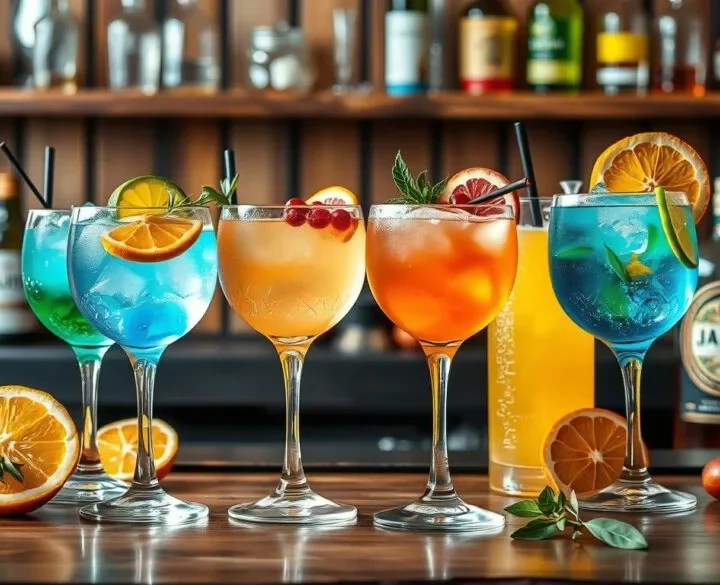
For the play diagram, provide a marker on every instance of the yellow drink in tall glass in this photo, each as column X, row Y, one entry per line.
column 540, row 367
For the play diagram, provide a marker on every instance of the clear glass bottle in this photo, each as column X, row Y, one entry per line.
column 622, row 47
column 55, row 55
column 134, row 49
column 679, row 55
column 406, row 47
column 190, row 49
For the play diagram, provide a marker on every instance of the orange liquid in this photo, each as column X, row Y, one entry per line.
column 441, row 280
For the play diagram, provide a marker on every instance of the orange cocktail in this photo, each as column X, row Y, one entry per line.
column 441, row 273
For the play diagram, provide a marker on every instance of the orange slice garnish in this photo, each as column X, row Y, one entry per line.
column 118, row 446
column 640, row 163
column 585, row 450
column 38, row 437
column 152, row 238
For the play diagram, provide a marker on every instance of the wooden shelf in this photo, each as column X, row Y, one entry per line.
column 239, row 104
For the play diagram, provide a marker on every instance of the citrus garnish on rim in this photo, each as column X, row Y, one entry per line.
column 334, row 195
column 39, row 448
column 678, row 233
column 155, row 194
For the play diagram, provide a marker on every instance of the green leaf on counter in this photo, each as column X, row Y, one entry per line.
column 616, row 533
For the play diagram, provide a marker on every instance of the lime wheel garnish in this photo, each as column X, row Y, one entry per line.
column 150, row 193
column 678, row 233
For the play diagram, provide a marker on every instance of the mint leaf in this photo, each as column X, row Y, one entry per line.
column 14, row 470
column 573, row 503
column 538, row 529
column 652, row 238
column 438, row 189
column 614, row 299
column 524, row 509
column 575, row 252
column 616, row 264
column 403, row 179
column 616, row 533
column 547, row 501
column 415, row 191
column 560, row 505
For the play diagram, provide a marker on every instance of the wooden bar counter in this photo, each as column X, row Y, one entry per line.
column 53, row 545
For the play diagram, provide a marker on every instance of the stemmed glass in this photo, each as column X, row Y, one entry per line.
column 615, row 274
column 144, row 305
column 292, row 279
column 45, row 280
column 441, row 273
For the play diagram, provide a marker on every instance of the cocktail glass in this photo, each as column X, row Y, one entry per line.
column 45, row 280
column 143, row 307
column 292, row 284
column 441, row 273
column 615, row 274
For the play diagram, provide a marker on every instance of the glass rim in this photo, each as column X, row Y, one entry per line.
column 250, row 206
column 41, row 211
column 495, row 211
column 617, row 199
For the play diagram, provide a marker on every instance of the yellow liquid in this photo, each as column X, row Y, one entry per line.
column 289, row 283
column 540, row 367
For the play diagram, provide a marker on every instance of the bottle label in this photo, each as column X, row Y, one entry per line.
column 405, row 52
column 15, row 314
column 621, row 47
column 700, row 352
column 551, row 58
column 487, row 53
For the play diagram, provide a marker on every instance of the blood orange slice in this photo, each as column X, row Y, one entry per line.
column 475, row 182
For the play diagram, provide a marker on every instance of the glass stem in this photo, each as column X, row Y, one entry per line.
column 144, row 369
column 635, row 466
column 439, row 486
column 292, row 480
column 89, row 360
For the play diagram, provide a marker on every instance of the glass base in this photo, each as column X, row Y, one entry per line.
column 86, row 488
column 516, row 480
column 646, row 496
column 450, row 515
column 153, row 506
column 304, row 508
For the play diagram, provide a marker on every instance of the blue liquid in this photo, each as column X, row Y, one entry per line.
column 143, row 306
column 625, row 313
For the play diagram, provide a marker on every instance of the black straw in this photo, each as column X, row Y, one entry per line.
column 509, row 188
column 23, row 174
column 48, row 178
column 526, row 161
column 230, row 172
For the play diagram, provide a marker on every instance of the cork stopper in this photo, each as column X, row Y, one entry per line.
column 8, row 186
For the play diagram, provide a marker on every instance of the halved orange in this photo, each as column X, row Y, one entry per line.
column 118, row 446
column 152, row 238
column 39, row 439
column 334, row 195
column 153, row 194
column 640, row 163
column 585, row 450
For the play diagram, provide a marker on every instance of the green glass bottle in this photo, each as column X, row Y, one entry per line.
column 555, row 29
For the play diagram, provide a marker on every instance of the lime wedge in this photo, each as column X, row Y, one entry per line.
column 679, row 236
column 146, row 191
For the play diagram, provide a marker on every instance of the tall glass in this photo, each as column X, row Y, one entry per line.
column 615, row 274
column 525, row 341
column 441, row 273
column 292, row 281
column 144, row 306
column 45, row 280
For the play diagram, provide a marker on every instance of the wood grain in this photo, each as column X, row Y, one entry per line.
column 52, row 545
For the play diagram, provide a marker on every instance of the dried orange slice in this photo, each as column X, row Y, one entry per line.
column 640, row 163
column 118, row 446
column 334, row 195
column 585, row 450
column 152, row 238
column 39, row 447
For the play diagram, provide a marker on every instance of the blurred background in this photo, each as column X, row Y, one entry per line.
column 312, row 93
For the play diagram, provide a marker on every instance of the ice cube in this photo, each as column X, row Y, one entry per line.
column 599, row 188
column 123, row 285
column 624, row 235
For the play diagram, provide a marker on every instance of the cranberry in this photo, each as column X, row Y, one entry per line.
column 296, row 217
column 319, row 218
column 341, row 220
column 318, row 203
column 459, row 198
column 295, row 202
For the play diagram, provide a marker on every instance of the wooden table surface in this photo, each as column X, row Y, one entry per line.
column 53, row 545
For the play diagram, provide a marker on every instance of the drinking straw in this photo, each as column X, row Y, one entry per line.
column 526, row 161
column 23, row 175
column 509, row 188
column 49, row 176
column 230, row 172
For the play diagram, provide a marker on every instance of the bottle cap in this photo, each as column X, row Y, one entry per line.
column 8, row 187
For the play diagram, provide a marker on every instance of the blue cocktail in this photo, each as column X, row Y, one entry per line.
column 143, row 278
column 617, row 276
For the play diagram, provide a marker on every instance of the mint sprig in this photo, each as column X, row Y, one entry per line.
column 415, row 191
column 208, row 195
column 12, row 468
column 552, row 513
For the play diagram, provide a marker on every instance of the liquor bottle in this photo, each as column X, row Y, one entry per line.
column 679, row 55
column 487, row 47
column 622, row 47
column 17, row 321
column 55, row 54
column 134, row 49
column 406, row 47
column 555, row 29
column 697, row 420
column 190, row 49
